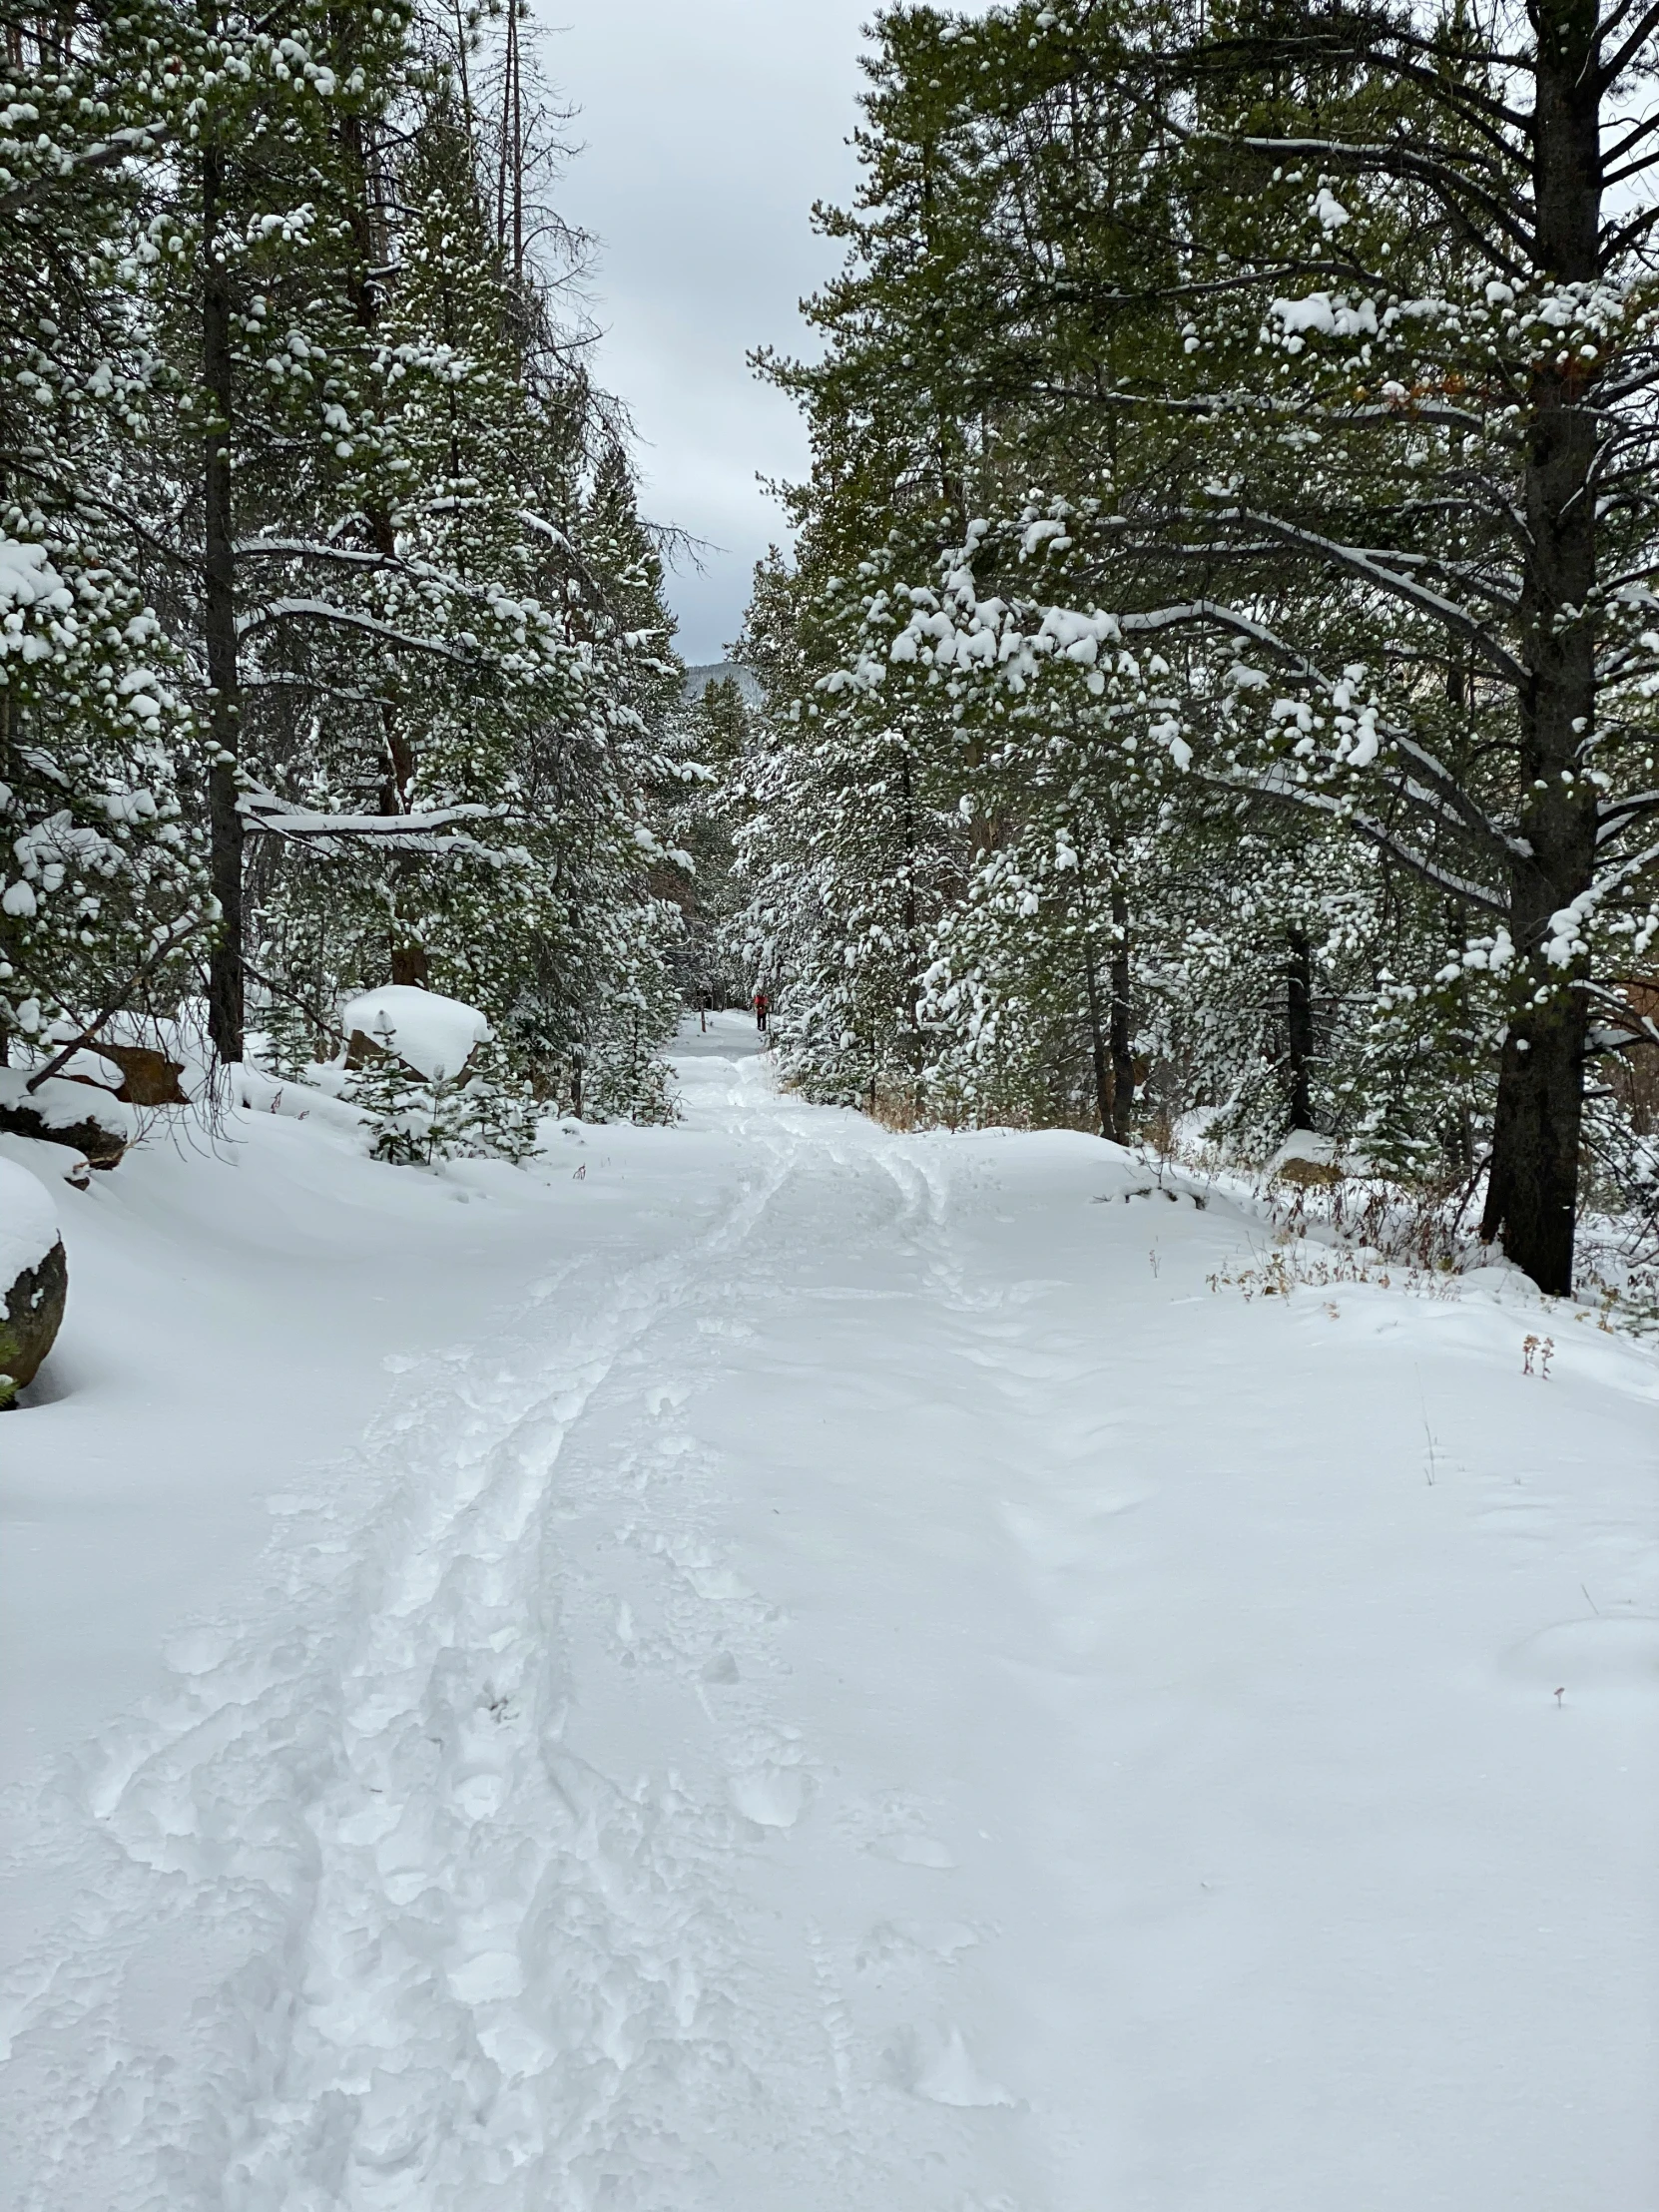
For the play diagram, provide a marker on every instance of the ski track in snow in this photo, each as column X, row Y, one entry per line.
column 508, row 1863
column 463, row 1963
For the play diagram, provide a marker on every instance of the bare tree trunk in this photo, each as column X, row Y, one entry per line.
column 406, row 954
column 463, row 76
column 1121, row 1035
column 518, row 144
column 1299, row 1028
column 1111, row 1041
column 509, row 190
column 1532, row 1195
column 226, row 828
column 1099, row 1050
column 912, row 931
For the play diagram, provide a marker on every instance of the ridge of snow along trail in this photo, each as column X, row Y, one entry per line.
column 874, row 1686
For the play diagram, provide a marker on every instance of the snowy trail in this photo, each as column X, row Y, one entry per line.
column 886, row 1691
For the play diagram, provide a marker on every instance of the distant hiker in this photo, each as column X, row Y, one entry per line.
column 762, row 1006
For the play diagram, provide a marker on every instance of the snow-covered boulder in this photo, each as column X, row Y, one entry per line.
column 60, row 1111
column 136, row 1073
column 148, row 1077
column 434, row 1035
column 34, row 1277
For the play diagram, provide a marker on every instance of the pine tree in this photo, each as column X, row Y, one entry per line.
column 103, row 896
column 1306, row 335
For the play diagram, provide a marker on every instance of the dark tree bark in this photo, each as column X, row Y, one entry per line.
column 1111, row 1039
column 1099, row 1049
column 227, row 831
column 1532, row 1195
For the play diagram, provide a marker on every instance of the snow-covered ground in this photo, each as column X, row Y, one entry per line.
column 836, row 1672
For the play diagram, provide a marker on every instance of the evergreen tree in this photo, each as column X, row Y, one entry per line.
column 103, row 896
column 1330, row 370
column 319, row 553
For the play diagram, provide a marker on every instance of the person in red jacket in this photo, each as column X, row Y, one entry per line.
column 762, row 1006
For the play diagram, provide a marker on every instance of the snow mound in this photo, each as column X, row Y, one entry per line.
column 48, row 1163
column 27, row 1223
column 430, row 1034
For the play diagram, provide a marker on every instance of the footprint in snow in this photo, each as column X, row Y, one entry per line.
column 772, row 1796
column 198, row 1649
column 939, row 2069
column 914, row 1850
column 900, row 1940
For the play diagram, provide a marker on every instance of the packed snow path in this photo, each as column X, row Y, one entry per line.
column 884, row 1692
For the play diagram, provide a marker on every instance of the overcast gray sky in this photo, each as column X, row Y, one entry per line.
column 708, row 128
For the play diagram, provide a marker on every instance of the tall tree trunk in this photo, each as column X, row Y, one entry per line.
column 1533, row 1194
column 1099, row 1049
column 1121, row 1035
column 509, row 197
column 226, row 828
column 406, row 954
column 912, row 930
column 1299, row 1028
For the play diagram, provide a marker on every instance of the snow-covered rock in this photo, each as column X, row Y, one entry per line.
column 148, row 1077
column 32, row 1277
column 432, row 1034
column 1308, row 1158
column 137, row 1073
column 63, row 1112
